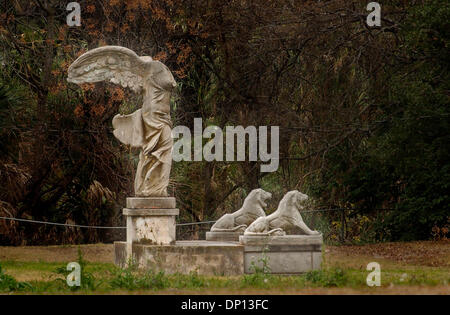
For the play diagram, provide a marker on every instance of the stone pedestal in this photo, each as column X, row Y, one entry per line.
column 151, row 220
column 223, row 236
column 151, row 243
column 289, row 254
column 202, row 257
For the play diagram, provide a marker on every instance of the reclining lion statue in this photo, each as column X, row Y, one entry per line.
column 285, row 220
column 252, row 209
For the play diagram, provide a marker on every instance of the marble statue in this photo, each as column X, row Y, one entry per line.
column 285, row 220
column 252, row 209
column 148, row 128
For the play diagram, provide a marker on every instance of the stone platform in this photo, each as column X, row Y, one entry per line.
column 151, row 244
column 223, row 236
column 289, row 254
column 203, row 257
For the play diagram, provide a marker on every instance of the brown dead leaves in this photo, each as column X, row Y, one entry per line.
column 423, row 253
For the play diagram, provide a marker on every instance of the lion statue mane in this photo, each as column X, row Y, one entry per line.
column 252, row 209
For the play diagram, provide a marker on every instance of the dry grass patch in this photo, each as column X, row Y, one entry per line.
column 103, row 253
column 424, row 253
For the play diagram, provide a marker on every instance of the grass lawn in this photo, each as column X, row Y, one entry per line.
column 409, row 268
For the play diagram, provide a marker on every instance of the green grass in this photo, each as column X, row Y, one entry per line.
column 340, row 271
column 101, row 277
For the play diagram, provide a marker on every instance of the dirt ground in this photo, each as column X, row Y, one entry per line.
column 425, row 253
column 103, row 253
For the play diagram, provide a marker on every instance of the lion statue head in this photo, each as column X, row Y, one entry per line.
column 292, row 202
column 287, row 216
column 252, row 209
column 256, row 199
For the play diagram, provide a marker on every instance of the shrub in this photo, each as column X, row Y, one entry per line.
column 88, row 281
column 8, row 283
column 132, row 279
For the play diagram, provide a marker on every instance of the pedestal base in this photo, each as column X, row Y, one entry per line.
column 151, row 203
column 223, row 236
column 290, row 254
column 205, row 258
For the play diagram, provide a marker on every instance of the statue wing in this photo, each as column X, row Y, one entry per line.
column 115, row 64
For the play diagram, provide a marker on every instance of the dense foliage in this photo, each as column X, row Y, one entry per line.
column 363, row 112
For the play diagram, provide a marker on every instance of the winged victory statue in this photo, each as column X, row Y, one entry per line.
column 148, row 128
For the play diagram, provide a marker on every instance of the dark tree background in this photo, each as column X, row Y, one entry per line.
column 363, row 112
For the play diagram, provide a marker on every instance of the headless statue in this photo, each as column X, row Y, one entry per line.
column 148, row 128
